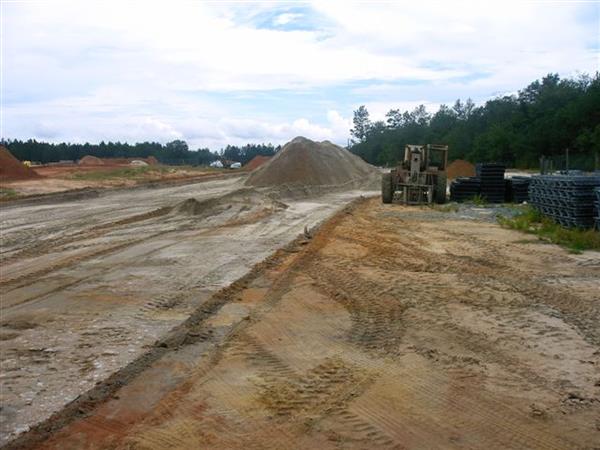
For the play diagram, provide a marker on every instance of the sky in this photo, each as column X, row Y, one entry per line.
column 215, row 73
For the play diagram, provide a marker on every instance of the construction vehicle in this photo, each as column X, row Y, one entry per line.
column 420, row 178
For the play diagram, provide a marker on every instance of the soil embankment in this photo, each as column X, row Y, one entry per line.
column 256, row 162
column 12, row 169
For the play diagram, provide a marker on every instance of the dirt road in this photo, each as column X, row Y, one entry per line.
column 89, row 285
column 392, row 328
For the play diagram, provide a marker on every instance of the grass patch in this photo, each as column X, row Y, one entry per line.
column 7, row 193
column 447, row 208
column 479, row 200
column 533, row 222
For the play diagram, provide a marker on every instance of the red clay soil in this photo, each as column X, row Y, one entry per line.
column 257, row 161
column 13, row 169
column 460, row 168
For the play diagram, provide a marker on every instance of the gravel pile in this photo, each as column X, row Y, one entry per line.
column 305, row 163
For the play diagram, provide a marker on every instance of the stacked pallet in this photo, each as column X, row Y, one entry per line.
column 464, row 188
column 567, row 199
column 492, row 181
column 517, row 189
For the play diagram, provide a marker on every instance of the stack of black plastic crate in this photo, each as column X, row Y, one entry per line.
column 567, row 199
column 517, row 189
column 492, row 181
column 464, row 188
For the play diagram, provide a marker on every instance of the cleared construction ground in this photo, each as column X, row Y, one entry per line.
column 157, row 322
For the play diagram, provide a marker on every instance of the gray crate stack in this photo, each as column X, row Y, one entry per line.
column 464, row 189
column 517, row 189
column 567, row 199
column 520, row 189
column 492, row 181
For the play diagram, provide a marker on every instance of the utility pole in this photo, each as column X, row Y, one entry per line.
column 567, row 160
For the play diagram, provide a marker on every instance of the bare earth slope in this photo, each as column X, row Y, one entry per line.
column 393, row 327
column 13, row 169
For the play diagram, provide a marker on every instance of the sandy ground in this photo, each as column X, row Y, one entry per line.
column 392, row 327
column 87, row 286
column 60, row 178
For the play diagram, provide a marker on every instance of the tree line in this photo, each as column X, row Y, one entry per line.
column 544, row 119
column 175, row 152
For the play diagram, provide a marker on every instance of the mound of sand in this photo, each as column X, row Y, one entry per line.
column 256, row 162
column 460, row 168
column 89, row 160
column 305, row 163
column 238, row 203
column 13, row 169
column 152, row 160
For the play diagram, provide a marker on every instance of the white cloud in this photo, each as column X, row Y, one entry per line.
column 285, row 18
column 146, row 70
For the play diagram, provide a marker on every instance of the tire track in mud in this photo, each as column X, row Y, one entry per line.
column 271, row 368
column 496, row 264
column 51, row 245
column 315, row 393
column 292, row 396
column 311, row 397
column 375, row 312
column 26, row 278
column 363, row 300
column 337, row 396
column 189, row 332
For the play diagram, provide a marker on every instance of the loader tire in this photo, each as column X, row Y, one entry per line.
column 387, row 191
column 440, row 189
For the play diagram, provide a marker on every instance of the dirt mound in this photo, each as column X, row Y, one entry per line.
column 89, row 160
column 460, row 168
column 302, row 162
column 257, row 161
column 13, row 169
column 193, row 207
column 242, row 202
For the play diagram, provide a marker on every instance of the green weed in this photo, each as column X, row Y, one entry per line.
column 7, row 193
column 533, row 222
column 479, row 200
column 449, row 207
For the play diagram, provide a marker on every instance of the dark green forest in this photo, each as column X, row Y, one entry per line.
column 174, row 153
column 544, row 119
